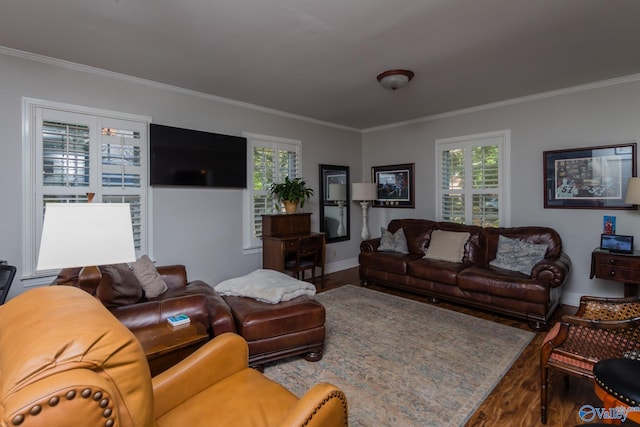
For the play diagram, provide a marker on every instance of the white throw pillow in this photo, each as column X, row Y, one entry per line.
column 447, row 245
column 148, row 276
column 393, row 242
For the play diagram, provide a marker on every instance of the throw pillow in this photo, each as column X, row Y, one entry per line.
column 151, row 281
column 393, row 242
column 119, row 286
column 516, row 255
column 447, row 245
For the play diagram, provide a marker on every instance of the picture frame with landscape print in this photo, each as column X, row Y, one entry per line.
column 394, row 186
column 589, row 178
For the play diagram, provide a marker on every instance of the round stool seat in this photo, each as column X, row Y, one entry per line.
column 620, row 378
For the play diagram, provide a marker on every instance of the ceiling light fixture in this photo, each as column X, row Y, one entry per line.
column 394, row 79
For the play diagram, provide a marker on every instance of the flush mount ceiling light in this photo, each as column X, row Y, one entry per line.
column 394, row 79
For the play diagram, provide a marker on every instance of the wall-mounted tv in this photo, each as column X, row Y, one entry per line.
column 195, row 158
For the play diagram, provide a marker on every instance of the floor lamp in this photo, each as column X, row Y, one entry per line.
column 86, row 235
column 338, row 194
column 364, row 192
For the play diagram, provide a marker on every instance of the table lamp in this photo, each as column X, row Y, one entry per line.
column 338, row 194
column 633, row 191
column 364, row 192
column 86, row 235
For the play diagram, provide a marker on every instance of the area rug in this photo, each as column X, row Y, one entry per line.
column 404, row 363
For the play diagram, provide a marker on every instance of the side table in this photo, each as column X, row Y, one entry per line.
column 619, row 267
column 165, row 345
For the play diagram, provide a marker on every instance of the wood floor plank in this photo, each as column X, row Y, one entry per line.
column 515, row 401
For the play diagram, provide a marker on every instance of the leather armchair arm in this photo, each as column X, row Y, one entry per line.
column 370, row 245
column 553, row 272
column 324, row 405
column 221, row 357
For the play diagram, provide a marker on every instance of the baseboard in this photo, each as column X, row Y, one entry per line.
column 343, row 264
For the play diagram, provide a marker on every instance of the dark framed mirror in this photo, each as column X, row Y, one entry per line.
column 335, row 215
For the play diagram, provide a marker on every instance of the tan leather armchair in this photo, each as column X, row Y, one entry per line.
column 65, row 360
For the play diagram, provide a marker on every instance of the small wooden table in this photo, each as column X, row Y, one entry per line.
column 623, row 268
column 165, row 345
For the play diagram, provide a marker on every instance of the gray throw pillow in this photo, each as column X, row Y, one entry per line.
column 150, row 280
column 516, row 255
column 393, row 242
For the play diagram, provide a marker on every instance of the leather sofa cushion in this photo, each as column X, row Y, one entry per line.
column 436, row 270
column 392, row 262
column 503, row 283
column 119, row 286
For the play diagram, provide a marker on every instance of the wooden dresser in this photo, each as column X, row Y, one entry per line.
column 279, row 235
column 623, row 268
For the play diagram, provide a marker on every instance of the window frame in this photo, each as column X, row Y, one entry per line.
column 252, row 244
column 32, row 187
column 502, row 139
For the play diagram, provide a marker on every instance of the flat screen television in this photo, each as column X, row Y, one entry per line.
column 185, row 157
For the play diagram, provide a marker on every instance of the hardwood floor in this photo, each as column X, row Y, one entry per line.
column 515, row 401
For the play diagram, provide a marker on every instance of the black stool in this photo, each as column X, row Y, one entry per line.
column 617, row 383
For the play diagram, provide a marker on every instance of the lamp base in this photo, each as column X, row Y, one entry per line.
column 89, row 277
column 365, row 226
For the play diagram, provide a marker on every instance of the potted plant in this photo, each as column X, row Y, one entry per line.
column 291, row 192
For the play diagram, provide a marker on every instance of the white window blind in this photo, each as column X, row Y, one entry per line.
column 72, row 151
column 473, row 179
column 271, row 160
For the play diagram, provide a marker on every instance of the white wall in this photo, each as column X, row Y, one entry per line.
column 201, row 228
column 598, row 116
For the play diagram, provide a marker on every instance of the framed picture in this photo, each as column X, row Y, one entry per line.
column 589, row 178
column 394, row 186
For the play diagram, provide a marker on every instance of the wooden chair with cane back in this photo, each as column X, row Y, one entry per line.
column 602, row 328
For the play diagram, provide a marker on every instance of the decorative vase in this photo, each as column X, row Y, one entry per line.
column 290, row 206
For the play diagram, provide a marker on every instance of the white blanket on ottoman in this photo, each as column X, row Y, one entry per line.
column 266, row 285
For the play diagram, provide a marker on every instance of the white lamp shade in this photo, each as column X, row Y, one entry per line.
column 86, row 234
column 633, row 192
column 363, row 191
column 337, row 192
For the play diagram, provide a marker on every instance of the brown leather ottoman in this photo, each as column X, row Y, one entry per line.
column 276, row 331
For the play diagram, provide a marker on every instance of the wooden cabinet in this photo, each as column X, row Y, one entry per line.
column 284, row 225
column 623, row 268
column 279, row 235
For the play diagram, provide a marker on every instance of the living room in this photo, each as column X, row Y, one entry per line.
column 203, row 228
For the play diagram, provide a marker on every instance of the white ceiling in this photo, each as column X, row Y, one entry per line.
column 320, row 58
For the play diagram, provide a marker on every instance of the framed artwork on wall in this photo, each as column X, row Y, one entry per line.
column 394, row 185
column 589, row 178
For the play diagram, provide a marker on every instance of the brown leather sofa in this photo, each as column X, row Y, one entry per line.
column 272, row 331
column 473, row 281
column 69, row 362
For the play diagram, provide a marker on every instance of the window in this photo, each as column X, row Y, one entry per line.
column 472, row 179
column 271, row 160
column 72, row 151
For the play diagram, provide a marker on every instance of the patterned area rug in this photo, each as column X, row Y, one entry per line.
column 404, row 363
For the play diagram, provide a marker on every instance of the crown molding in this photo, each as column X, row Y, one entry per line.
column 150, row 83
column 573, row 89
